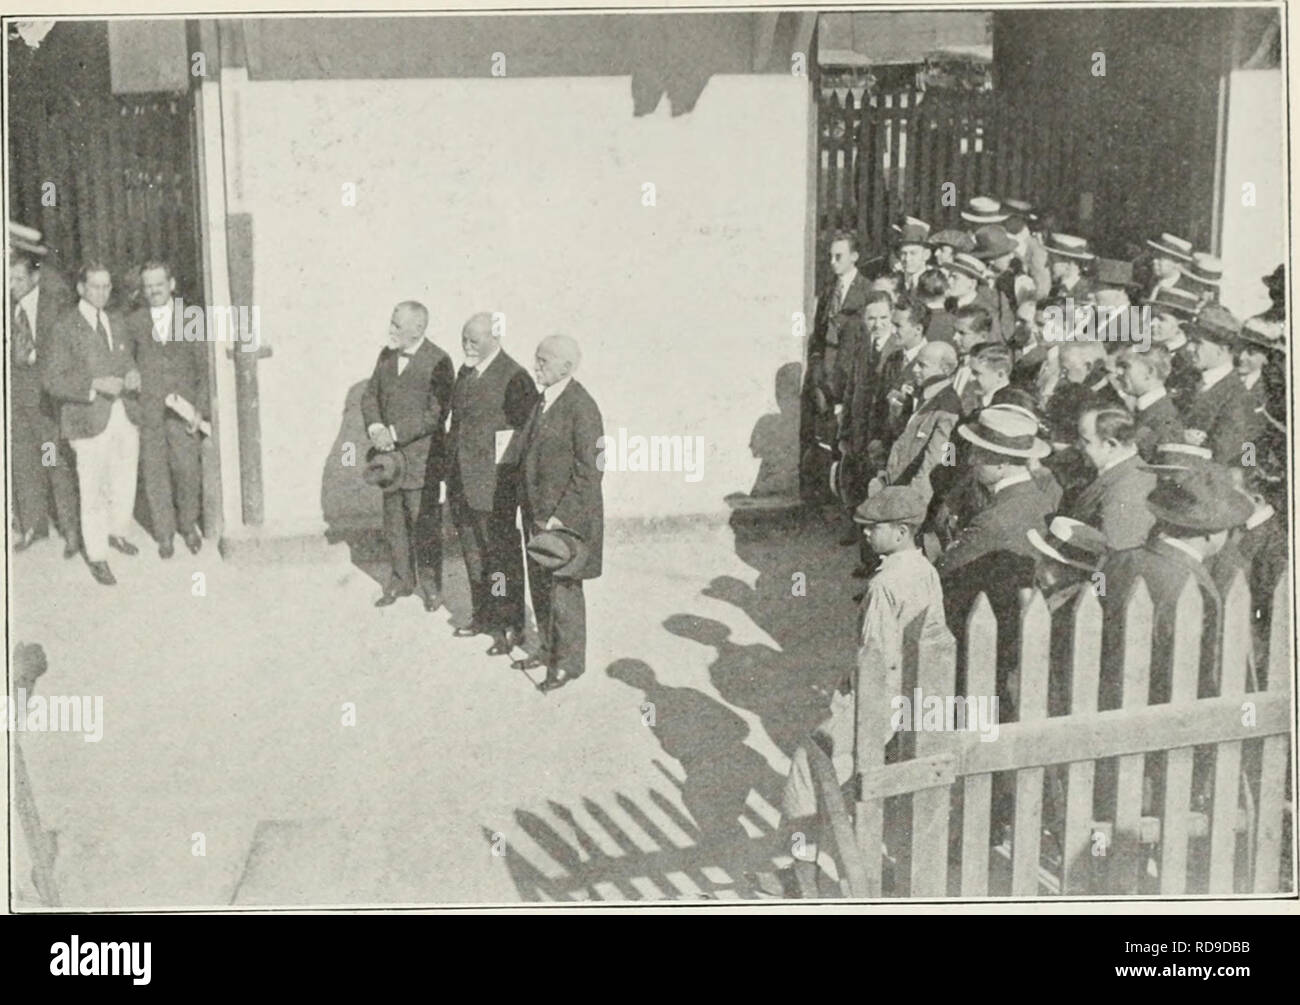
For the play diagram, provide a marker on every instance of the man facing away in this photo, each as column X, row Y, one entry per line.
column 561, row 482
column 490, row 402
column 169, row 444
column 92, row 373
column 405, row 407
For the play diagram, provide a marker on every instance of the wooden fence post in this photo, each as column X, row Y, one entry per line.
column 936, row 675
column 1126, row 848
column 1031, row 706
column 1273, row 760
column 1178, row 765
column 981, row 678
column 1227, row 755
column 1085, row 679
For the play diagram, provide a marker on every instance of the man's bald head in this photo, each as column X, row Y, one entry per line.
column 478, row 338
column 939, row 355
column 557, row 357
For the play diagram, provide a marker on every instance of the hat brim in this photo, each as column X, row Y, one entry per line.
column 1041, row 544
column 1203, row 280
column 954, row 267
column 1039, row 448
column 984, row 254
column 27, row 247
column 1168, row 252
column 1223, row 514
column 1083, row 256
column 1259, row 342
column 984, row 218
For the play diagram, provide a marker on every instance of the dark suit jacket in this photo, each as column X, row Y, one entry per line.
column 1184, row 379
column 1226, row 413
column 77, row 355
column 415, row 403
column 1159, row 423
column 53, row 298
column 171, row 367
column 501, row 398
column 923, row 444
column 561, row 473
column 825, row 344
column 1116, row 504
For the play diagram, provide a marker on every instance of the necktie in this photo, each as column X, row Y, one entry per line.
column 403, row 361
column 837, row 299
column 24, row 344
column 102, row 331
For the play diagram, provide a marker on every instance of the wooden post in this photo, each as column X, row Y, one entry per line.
column 936, row 675
column 1227, row 756
column 1125, row 851
column 1085, row 679
column 1178, row 766
column 1035, row 653
column 977, row 795
column 1273, row 762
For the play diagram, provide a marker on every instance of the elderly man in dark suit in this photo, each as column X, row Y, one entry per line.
column 92, row 373
column 490, row 402
column 924, row 442
column 1219, row 413
column 42, row 460
column 405, row 407
column 169, row 445
column 562, row 468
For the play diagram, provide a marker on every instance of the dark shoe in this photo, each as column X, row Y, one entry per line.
column 102, row 573
column 501, row 645
column 193, row 541
column 391, row 596
column 849, row 539
column 529, row 663
column 123, row 545
column 555, row 679
column 468, row 632
column 71, row 549
column 166, row 549
column 861, row 572
column 432, row 601
column 857, row 597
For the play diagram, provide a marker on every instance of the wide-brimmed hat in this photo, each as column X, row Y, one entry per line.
column 1172, row 300
column 559, row 550
column 912, row 233
column 1204, row 269
column 910, row 221
column 1201, row 498
column 993, row 241
column 1270, row 335
column 26, row 239
column 1070, row 542
column 1021, row 208
column 1069, row 246
column 983, row 209
column 1178, row 456
column 384, row 469
column 969, row 265
column 893, row 504
column 1169, row 246
column 1214, row 323
column 1005, row 430
column 958, row 240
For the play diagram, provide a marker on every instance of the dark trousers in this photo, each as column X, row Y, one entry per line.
column 169, row 461
column 413, row 529
column 561, row 611
column 493, row 550
column 34, row 440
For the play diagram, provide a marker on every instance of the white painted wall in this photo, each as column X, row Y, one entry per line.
column 1254, row 237
column 525, row 196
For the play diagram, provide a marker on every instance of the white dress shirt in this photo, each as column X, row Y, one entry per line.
column 549, row 394
column 28, row 305
column 1149, row 398
column 92, row 314
column 484, row 363
column 1015, row 478
column 162, row 323
column 1183, row 546
column 1251, row 379
column 1215, row 374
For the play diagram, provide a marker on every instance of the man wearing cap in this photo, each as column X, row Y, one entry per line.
column 913, row 254
column 1204, row 275
column 1142, row 376
column 490, row 402
column 562, row 466
column 37, row 297
column 1220, row 413
column 1171, row 310
column 903, row 600
column 1168, row 255
column 404, row 408
column 91, row 372
column 995, row 248
column 1115, row 501
column 169, row 365
column 946, row 243
column 1068, row 255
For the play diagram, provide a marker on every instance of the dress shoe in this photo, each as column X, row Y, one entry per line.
column 123, row 545
column 432, row 601
column 166, row 549
column 555, row 679
column 849, row 539
column 501, row 645
column 528, row 663
column 391, row 596
column 193, row 541
column 102, row 573
column 468, row 632
column 71, row 549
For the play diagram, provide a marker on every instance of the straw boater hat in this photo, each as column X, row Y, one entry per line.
column 1201, row 498
column 958, row 240
column 1069, row 246
column 982, row 209
column 1177, row 456
column 1005, row 430
column 1018, row 207
column 1070, row 542
column 22, row 238
column 1169, row 246
column 1172, row 300
column 967, row 264
column 993, row 241
column 1263, row 334
column 1204, row 269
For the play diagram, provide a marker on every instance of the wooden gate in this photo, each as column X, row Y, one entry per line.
column 1231, row 843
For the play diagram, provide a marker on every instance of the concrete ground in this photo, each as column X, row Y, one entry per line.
column 230, row 770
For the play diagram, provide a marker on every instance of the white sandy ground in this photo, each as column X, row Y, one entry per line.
column 459, row 782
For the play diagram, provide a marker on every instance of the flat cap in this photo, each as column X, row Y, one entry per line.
column 893, row 504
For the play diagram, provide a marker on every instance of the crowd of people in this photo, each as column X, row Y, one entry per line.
column 997, row 408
